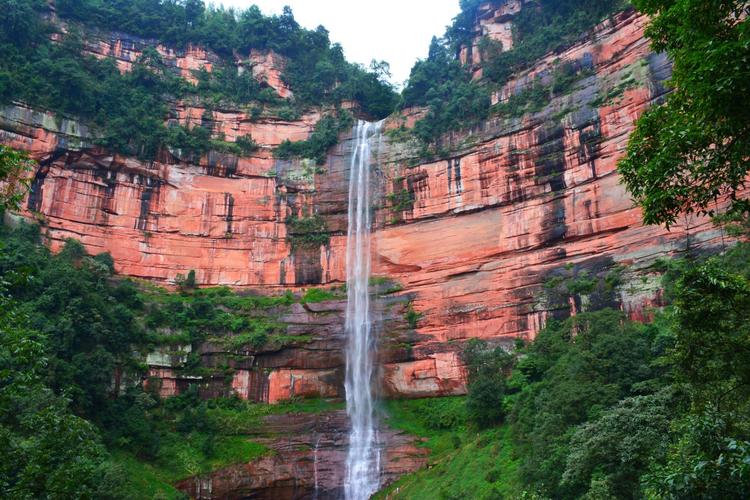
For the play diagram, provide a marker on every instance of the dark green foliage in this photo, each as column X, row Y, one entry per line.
column 316, row 71
column 89, row 330
column 48, row 452
column 185, row 283
column 461, row 31
column 127, row 112
column 710, row 458
column 197, row 141
column 535, row 97
column 487, row 370
column 531, row 99
column 442, row 84
column 325, row 136
column 456, row 102
column 693, row 149
column 617, row 449
column 247, row 144
column 712, row 313
column 568, row 376
column 190, row 141
column 71, row 347
column 227, row 84
column 412, row 316
column 14, row 167
column 548, row 25
column 400, row 201
column 308, row 232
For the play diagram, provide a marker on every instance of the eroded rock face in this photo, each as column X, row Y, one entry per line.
column 478, row 244
column 307, row 460
column 308, row 365
column 221, row 215
column 521, row 201
column 524, row 200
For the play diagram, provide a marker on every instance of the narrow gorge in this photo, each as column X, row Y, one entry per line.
column 318, row 270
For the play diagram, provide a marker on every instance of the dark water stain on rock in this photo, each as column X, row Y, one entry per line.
column 549, row 168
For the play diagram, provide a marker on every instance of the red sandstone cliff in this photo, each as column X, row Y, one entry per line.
column 519, row 201
column 472, row 251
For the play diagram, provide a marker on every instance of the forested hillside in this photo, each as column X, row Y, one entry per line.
column 45, row 65
column 456, row 100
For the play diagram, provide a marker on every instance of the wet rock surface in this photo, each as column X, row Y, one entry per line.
column 307, row 461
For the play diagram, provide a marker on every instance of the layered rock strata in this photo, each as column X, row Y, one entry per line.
column 473, row 238
column 528, row 201
column 307, row 460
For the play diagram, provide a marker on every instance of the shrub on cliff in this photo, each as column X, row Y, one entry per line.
column 324, row 136
column 14, row 169
column 316, row 69
column 445, row 86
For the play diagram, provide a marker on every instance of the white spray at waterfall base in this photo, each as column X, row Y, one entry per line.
column 363, row 460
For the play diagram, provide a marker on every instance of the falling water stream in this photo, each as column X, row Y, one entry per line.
column 363, row 460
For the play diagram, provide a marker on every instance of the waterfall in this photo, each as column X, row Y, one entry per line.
column 315, row 467
column 363, row 460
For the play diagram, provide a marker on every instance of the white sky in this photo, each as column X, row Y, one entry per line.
column 397, row 31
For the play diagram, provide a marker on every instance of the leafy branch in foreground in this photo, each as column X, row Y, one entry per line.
column 691, row 151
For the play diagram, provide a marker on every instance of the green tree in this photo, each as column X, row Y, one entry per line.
column 619, row 448
column 487, row 370
column 47, row 451
column 14, row 169
column 692, row 150
column 712, row 331
column 707, row 460
column 570, row 375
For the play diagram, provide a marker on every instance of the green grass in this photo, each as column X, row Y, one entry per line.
column 463, row 462
column 183, row 455
column 247, row 416
column 313, row 295
column 145, row 480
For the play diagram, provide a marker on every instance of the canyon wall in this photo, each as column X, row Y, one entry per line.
column 519, row 220
column 476, row 244
column 491, row 241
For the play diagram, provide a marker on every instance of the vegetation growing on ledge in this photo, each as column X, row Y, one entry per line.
column 127, row 112
column 548, row 25
column 412, row 316
column 316, row 70
column 310, row 232
column 464, row 462
column 14, row 169
column 197, row 141
column 400, row 201
column 315, row 295
column 325, row 136
column 456, row 102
